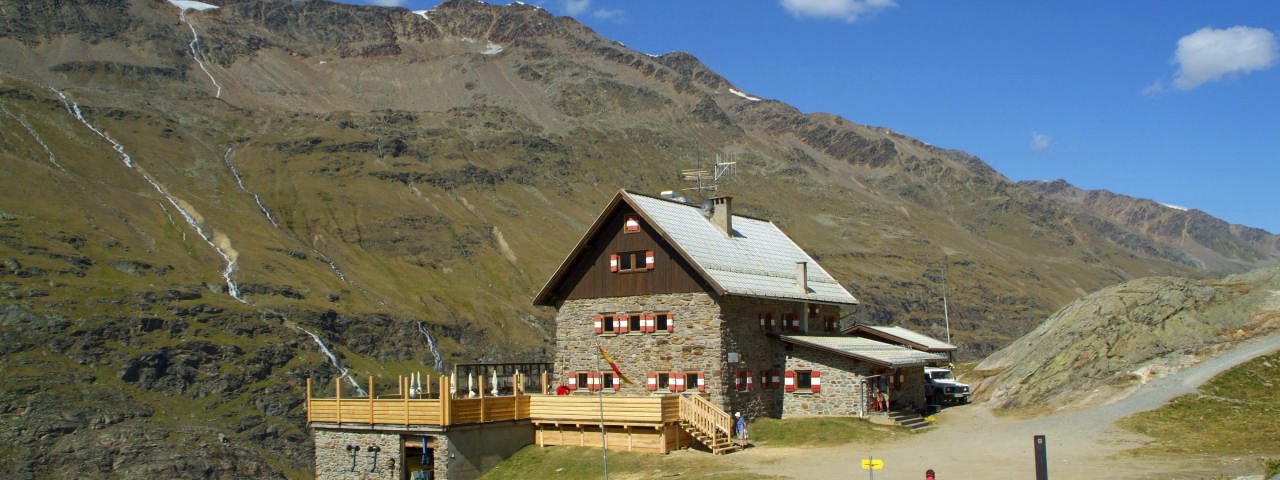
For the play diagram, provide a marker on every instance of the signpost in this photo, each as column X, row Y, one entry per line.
column 871, row 464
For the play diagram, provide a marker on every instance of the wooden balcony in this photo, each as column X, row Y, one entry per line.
column 398, row 409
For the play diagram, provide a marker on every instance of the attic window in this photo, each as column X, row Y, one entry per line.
column 631, row 224
column 637, row 261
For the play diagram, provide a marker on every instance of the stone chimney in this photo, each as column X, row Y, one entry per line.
column 722, row 214
column 802, row 276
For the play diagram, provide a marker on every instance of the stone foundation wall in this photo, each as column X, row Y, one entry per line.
column 843, row 389
column 693, row 346
column 333, row 461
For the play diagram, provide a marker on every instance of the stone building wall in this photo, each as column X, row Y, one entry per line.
column 757, row 351
column 705, row 333
column 333, row 461
column 692, row 346
column 843, row 392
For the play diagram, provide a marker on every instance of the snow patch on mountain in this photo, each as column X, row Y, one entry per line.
column 743, row 95
column 192, row 5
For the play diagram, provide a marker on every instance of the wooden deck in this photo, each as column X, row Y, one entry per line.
column 401, row 410
column 656, row 424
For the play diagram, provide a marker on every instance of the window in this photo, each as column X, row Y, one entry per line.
column 609, row 381
column 662, row 322
column 635, row 325
column 631, row 224
column 691, row 380
column 637, row 261
column 608, row 324
column 804, row 379
column 664, row 380
column 584, row 381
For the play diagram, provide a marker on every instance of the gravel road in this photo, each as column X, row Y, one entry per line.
column 970, row 442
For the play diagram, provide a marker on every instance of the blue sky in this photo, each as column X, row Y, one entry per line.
column 1175, row 101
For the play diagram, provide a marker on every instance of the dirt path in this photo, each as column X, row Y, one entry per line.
column 971, row 442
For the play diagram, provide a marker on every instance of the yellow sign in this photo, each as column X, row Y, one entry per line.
column 872, row 464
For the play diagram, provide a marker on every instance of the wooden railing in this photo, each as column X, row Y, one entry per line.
column 401, row 409
column 704, row 416
column 618, row 410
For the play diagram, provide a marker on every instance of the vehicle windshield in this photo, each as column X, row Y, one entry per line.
column 941, row 375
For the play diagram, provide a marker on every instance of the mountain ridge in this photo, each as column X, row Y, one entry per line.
column 386, row 188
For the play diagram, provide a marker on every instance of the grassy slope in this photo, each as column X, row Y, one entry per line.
column 1233, row 414
column 578, row 462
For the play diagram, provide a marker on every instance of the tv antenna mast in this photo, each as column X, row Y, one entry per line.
column 709, row 181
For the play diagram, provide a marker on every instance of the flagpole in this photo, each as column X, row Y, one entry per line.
column 604, row 441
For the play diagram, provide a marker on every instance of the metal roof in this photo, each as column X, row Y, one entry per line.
column 865, row 349
column 903, row 335
column 758, row 260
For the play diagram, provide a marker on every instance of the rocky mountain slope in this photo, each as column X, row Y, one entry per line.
column 1100, row 346
column 201, row 206
column 1182, row 235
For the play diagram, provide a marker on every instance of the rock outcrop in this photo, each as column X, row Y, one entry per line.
column 1102, row 345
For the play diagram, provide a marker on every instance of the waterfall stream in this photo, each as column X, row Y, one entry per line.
column 239, row 181
column 34, row 135
column 185, row 209
column 431, row 343
column 195, row 39
column 342, row 372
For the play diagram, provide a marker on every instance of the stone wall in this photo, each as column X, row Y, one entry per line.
column 693, row 346
column 333, row 460
column 843, row 388
column 704, row 335
column 758, row 351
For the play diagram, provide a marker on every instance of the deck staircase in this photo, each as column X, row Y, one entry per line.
column 708, row 424
column 910, row 420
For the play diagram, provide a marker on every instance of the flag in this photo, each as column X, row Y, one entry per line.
column 612, row 365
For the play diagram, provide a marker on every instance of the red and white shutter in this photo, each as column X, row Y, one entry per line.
column 651, row 383
column 617, row 382
column 748, row 376
column 632, row 224
column 573, row 380
column 650, row 322
column 677, row 383
column 593, row 382
column 702, row 383
column 613, row 262
column 795, row 323
column 623, row 324
column 671, row 322
column 777, row 379
column 599, row 323
column 737, row 381
column 815, row 381
column 789, row 382
column 773, row 324
column 648, row 260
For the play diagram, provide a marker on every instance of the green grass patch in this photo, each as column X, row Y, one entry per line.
column 581, row 462
column 1234, row 413
column 824, row 431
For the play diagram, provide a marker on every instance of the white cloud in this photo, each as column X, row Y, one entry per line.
column 1210, row 54
column 1040, row 141
column 847, row 10
column 575, row 7
column 1154, row 89
column 608, row 13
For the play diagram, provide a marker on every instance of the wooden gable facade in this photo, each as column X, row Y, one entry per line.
column 622, row 255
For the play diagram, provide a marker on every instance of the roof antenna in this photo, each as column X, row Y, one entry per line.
column 709, row 181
